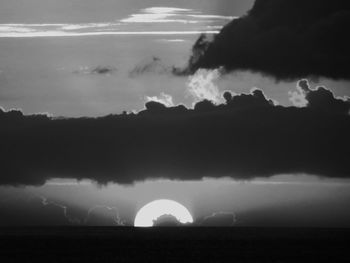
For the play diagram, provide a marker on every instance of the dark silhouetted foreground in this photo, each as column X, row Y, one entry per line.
column 174, row 245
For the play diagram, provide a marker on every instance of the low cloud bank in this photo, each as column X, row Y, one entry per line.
column 244, row 137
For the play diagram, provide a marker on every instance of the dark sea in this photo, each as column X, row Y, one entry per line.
column 124, row 244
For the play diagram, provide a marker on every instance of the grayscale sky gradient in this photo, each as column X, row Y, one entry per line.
column 75, row 58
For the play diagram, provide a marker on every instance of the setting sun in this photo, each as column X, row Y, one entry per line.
column 153, row 210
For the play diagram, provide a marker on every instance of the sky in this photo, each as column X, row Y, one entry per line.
column 44, row 70
column 272, row 154
column 49, row 50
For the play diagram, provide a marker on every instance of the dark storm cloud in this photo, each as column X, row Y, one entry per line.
column 320, row 98
column 287, row 39
column 246, row 137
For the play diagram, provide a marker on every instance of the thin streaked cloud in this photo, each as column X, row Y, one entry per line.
column 173, row 15
column 67, row 34
column 149, row 21
column 172, row 40
column 213, row 17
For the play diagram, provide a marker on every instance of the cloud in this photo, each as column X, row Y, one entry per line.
column 104, row 33
column 148, row 21
column 152, row 65
column 25, row 208
column 172, row 15
column 319, row 98
column 171, row 40
column 246, row 137
column 298, row 97
column 167, row 221
column 159, row 15
column 286, row 39
column 101, row 215
column 164, row 99
column 54, row 30
column 70, row 219
column 221, row 219
column 99, row 70
column 201, row 86
column 28, row 210
column 255, row 99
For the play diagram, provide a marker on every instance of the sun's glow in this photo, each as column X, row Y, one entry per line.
column 157, row 208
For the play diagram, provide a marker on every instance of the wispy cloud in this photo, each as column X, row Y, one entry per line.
column 171, row 40
column 165, row 99
column 160, row 15
column 45, row 202
column 99, row 70
column 149, row 21
column 173, row 15
column 67, row 34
